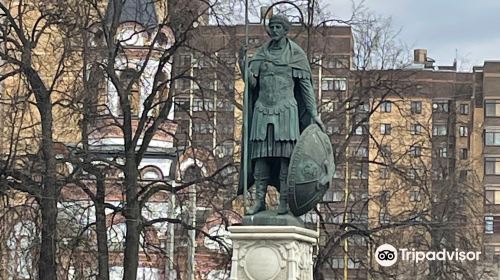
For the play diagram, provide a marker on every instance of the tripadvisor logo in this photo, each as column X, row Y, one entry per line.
column 387, row 255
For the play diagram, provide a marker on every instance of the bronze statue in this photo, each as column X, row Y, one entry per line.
column 281, row 105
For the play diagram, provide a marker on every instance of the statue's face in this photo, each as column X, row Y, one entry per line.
column 277, row 31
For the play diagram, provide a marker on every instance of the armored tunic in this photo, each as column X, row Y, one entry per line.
column 275, row 124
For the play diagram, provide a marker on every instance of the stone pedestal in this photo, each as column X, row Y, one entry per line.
column 272, row 253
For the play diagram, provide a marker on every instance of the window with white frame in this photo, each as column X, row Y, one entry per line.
column 384, row 216
column 328, row 105
column 463, row 109
column 415, row 150
column 416, row 107
column 415, row 129
column 340, row 84
column 442, row 152
column 492, row 166
column 463, row 131
column 386, row 106
column 385, row 150
column 440, row 107
column 203, row 104
column 488, row 224
column 327, row 84
column 151, row 173
column 492, row 138
column 333, row 195
column 439, row 130
column 415, row 195
column 492, row 197
column 385, row 129
column 492, row 108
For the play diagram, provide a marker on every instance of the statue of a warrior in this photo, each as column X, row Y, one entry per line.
column 281, row 105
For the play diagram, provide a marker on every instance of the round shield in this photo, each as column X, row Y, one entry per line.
column 310, row 171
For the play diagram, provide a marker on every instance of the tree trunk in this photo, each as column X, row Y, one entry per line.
column 47, row 268
column 132, row 215
column 101, row 230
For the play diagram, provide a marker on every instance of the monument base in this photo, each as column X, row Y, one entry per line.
column 271, row 218
column 272, row 252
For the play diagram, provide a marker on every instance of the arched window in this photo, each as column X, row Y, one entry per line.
column 151, row 173
column 22, row 243
column 129, row 76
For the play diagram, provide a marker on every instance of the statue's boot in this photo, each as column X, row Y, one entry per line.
column 283, row 206
column 260, row 203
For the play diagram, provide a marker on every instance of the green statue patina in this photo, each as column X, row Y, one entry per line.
column 282, row 105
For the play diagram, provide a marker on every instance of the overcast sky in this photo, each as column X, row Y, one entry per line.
column 470, row 28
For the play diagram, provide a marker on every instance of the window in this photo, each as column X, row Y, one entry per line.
column 339, row 172
column 442, row 152
column 492, row 197
column 361, row 151
column 333, row 218
column 336, row 262
column 463, row 131
column 439, row 130
column 384, row 173
column 413, row 173
column 440, row 107
column 386, row 106
column 185, row 60
column 384, row 217
column 183, row 84
column 463, row 109
column 464, row 153
column 385, row 150
column 492, row 166
column 224, row 105
column 202, row 128
column 463, row 175
column 416, row 107
column 182, row 104
column 361, row 129
column 385, row 129
column 327, row 84
column 492, row 138
column 335, row 196
column 340, row 84
column 363, row 108
column 492, row 108
column 415, row 129
column 151, row 173
column 359, row 172
column 328, row 105
column 415, row 196
column 332, row 129
column 488, row 224
column 415, row 151
column 21, row 252
column 203, row 105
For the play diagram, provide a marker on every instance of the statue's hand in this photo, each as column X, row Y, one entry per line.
column 318, row 121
